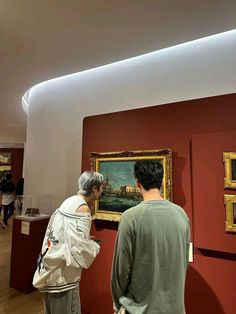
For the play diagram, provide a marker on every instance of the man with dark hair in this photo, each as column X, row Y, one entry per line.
column 151, row 251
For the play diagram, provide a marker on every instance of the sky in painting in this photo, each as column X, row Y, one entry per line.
column 119, row 172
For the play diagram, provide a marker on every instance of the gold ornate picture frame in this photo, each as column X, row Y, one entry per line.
column 229, row 159
column 5, row 158
column 4, row 170
column 230, row 204
column 120, row 191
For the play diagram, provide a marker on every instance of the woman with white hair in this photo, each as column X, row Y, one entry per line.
column 68, row 247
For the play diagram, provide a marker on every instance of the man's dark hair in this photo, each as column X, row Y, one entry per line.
column 149, row 172
column 7, row 187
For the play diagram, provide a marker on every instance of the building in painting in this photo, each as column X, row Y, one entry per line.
column 129, row 191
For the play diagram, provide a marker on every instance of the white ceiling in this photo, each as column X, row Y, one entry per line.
column 40, row 40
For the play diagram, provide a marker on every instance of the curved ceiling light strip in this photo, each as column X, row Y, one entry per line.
column 26, row 96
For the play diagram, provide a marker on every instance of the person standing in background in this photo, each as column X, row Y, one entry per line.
column 19, row 195
column 3, row 180
column 8, row 196
column 151, row 252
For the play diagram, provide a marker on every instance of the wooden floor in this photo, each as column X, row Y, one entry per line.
column 11, row 300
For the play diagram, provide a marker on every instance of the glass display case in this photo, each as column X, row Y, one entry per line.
column 33, row 207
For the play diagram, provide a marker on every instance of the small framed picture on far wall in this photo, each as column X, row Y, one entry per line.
column 229, row 159
column 5, row 164
column 5, row 158
column 230, row 204
column 4, row 170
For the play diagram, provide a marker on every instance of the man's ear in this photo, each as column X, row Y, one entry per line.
column 94, row 188
column 138, row 184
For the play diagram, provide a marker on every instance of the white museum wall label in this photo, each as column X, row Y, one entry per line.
column 190, row 256
column 25, row 227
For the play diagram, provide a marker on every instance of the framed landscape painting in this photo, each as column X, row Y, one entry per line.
column 120, row 191
column 229, row 159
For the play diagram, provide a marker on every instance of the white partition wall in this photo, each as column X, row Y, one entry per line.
column 56, row 108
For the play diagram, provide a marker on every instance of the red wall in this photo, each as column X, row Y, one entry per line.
column 208, row 191
column 16, row 162
column 210, row 286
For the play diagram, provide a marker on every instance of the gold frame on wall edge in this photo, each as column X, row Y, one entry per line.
column 229, row 159
column 230, row 204
column 120, row 192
